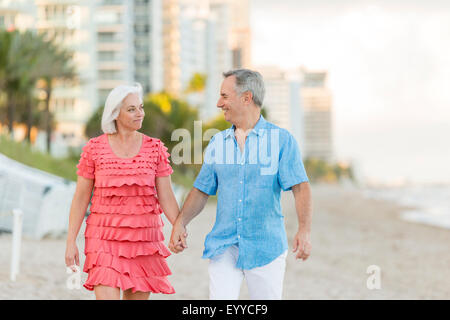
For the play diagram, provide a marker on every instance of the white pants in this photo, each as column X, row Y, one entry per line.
column 264, row 283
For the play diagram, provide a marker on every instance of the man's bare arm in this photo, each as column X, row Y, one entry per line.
column 302, row 240
column 193, row 205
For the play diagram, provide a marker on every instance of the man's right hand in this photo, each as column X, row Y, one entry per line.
column 178, row 238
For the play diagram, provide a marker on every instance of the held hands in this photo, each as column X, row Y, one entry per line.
column 178, row 238
column 302, row 243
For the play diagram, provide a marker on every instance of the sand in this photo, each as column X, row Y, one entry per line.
column 349, row 234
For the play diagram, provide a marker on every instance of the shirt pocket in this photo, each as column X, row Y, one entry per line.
column 264, row 181
column 257, row 178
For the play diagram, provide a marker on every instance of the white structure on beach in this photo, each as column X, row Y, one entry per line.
column 43, row 198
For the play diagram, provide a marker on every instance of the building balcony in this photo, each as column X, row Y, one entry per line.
column 111, row 46
column 109, row 84
column 113, row 27
column 111, row 65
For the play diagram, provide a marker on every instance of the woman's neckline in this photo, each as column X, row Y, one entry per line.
column 112, row 151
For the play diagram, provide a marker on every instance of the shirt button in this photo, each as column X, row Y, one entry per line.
column 240, row 182
column 239, row 236
column 239, row 219
column 240, row 200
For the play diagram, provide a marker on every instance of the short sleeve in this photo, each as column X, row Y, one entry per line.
column 86, row 166
column 163, row 167
column 206, row 180
column 291, row 169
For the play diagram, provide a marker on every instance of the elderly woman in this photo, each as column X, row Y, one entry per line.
column 131, row 174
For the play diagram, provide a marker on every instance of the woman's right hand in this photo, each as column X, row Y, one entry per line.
column 72, row 255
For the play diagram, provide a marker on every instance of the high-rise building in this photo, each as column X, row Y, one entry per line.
column 70, row 23
column 17, row 15
column 159, row 43
column 193, row 22
column 240, row 40
column 115, row 45
column 171, row 46
column 317, row 105
column 114, row 42
column 129, row 44
column 282, row 100
column 145, row 53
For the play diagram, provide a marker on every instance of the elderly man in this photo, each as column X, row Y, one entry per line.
column 248, row 165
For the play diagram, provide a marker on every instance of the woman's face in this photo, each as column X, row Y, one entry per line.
column 131, row 113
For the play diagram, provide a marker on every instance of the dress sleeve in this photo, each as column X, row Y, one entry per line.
column 86, row 166
column 163, row 167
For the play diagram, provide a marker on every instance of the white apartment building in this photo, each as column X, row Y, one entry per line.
column 114, row 32
column 282, row 101
column 317, row 104
column 18, row 14
column 159, row 43
column 240, row 33
column 71, row 24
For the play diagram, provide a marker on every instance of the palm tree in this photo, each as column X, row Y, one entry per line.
column 26, row 58
column 5, row 44
column 17, row 58
column 57, row 63
column 37, row 46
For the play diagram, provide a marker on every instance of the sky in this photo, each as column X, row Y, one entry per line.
column 389, row 73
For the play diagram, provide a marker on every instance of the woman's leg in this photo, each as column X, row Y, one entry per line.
column 138, row 295
column 106, row 293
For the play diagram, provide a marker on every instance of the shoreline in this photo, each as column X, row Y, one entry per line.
column 349, row 234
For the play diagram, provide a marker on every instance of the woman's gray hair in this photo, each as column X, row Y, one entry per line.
column 248, row 80
column 114, row 103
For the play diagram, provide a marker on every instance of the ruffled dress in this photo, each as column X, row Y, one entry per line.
column 124, row 245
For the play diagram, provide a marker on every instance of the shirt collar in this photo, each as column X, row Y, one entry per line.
column 256, row 129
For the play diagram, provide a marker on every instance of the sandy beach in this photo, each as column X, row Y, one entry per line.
column 349, row 234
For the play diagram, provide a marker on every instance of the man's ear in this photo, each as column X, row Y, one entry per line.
column 248, row 97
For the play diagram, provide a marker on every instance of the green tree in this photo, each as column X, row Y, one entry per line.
column 197, row 83
column 56, row 66
column 17, row 58
column 26, row 58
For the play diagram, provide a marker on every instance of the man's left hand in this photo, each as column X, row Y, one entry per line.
column 302, row 244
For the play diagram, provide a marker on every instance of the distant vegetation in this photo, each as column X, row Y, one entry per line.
column 322, row 171
column 24, row 153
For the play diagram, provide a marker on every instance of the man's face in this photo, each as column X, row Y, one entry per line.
column 230, row 101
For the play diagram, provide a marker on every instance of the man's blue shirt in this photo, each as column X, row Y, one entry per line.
column 249, row 186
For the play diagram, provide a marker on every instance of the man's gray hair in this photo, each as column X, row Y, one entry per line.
column 248, row 80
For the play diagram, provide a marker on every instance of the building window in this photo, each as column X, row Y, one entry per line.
column 109, row 75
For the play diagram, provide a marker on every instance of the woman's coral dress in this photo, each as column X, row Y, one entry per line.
column 124, row 245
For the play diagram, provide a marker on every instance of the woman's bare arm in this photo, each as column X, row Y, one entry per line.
column 167, row 198
column 78, row 207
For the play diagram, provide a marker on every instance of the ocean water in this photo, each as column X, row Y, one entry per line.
column 431, row 203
